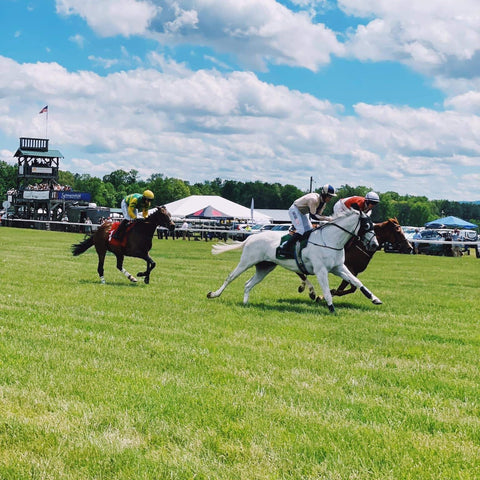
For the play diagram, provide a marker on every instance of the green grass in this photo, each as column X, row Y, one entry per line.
column 123, row 381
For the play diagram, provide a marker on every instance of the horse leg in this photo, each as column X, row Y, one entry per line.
column 262, row 270
column 241, row 267
column 322, row 277
column 311, row 289
column 101, row 250
column 340, row 291
column 343, row 272
column 150, row 266
column 303, row 284
column 101, row 261
column 120, row 267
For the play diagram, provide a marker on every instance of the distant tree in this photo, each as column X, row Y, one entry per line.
column 288, row 194
column 121, row 177
column 206, row 188
column 109, row 191
column 172, row 189
column 8, row 178
column 94, row 185
column 419, row 214
column 66, row 178
column 155, row 184
column 231, row 190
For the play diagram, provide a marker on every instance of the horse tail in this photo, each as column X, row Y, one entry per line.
column 81, row 247
column 218, row 248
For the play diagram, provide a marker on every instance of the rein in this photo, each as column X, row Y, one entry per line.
column 359, row 247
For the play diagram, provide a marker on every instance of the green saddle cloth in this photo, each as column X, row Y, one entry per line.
column 290, row 253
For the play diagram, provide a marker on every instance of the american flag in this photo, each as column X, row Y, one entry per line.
column 44, row 109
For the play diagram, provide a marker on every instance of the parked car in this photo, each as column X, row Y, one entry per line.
column 282, row 227
column 267, row 226
column 432, row 248
column 469, row 235
column 259, row 227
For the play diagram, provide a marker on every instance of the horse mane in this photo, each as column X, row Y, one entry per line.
column 159, row 211
column 392, row 220
column 341, row 215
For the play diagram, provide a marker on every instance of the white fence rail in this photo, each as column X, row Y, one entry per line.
column 206, row 233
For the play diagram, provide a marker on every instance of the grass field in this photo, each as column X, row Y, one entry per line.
column 123, row 381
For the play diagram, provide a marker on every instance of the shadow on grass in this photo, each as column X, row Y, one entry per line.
column 321, row 305
column 115, row 283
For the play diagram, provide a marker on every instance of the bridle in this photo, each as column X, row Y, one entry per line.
column 352, row 234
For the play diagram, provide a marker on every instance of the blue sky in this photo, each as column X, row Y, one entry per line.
column 357, row 92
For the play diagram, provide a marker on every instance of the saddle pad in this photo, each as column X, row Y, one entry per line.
column 118, row 243
column 294, row 249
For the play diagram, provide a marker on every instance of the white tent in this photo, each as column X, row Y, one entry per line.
column 189, row 205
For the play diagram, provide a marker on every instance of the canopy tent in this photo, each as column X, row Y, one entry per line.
column 188, row 206
column 450, row 222
column 209, row 212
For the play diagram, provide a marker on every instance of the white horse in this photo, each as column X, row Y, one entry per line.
column 324, row 253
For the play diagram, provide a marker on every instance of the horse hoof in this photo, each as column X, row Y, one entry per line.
column 209, row 295
column 331, row 308
column 312, row 296
column 318, row 299
column 147, row 280
column 301, row 288
column 376, row 301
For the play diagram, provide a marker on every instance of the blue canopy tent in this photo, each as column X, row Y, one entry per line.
column 450, row 222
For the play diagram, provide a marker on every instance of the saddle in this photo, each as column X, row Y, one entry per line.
column 294, row 249
column 115, row 242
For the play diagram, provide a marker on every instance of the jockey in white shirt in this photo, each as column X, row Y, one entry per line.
column 311, row 203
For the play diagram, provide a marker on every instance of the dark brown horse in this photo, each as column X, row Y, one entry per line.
column 357, row 258
column 137, row 243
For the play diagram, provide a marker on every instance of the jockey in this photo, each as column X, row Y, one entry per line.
column 364, row 204
column 130, row 205
column 313, row 203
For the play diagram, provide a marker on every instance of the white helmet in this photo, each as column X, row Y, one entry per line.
column 372, row 197
column 328, row 191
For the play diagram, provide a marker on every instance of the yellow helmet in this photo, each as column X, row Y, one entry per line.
column 148, row 194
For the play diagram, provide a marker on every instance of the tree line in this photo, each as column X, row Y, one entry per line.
column 112, row 188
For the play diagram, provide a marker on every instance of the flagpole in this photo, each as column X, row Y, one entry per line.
column 45, row 110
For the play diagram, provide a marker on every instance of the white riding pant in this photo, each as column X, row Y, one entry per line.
column 124, row 207
column 300, row 221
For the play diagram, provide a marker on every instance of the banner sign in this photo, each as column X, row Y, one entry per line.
column 83, row 196
column 42, row 170
column 36, row 194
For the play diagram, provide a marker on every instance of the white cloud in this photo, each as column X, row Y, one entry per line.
column 201, row 125
column 258, row 32
column 111, row 17
column 78, row 40
column 432, row 36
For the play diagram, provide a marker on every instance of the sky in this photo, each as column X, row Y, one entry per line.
column 377, row 93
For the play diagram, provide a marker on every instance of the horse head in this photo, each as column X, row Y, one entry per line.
column 353, row 224
column 391, row 231
column 161, row 216
column 366, row 233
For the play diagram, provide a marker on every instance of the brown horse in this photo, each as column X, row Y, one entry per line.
column 137, row 243
column 357, row 258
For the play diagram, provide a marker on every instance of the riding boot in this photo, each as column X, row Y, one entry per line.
column 285, row 249
column 118, row 235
